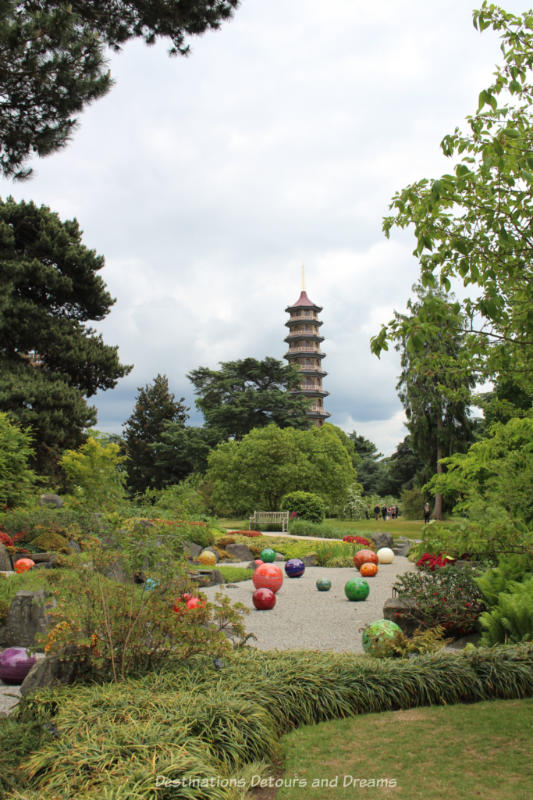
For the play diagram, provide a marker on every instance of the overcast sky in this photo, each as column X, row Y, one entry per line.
column 207, row 181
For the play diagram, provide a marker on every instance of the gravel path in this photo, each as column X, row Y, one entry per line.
column 306, row 619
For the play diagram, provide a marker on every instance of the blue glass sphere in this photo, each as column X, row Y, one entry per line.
column 294, row 567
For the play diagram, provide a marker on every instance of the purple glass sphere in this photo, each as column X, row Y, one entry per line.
column 15, row 663
column 294, row 567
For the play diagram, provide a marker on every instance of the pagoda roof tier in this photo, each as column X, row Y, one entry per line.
column 314, row 337
column 304, row 352
column 322, row 414
column 303, row 321
column 318, row 392
column 312, row 372
column 303, row 302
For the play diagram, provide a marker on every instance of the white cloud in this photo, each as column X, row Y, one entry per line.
column 207, row 181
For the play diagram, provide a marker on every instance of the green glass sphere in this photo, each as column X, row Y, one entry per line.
column 268, row 555
column 377, row 632
column 323, row 584
column 356, row 589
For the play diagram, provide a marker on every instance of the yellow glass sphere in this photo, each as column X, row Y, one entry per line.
column 207, row 558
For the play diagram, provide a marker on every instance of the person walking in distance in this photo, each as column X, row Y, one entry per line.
column 427, row 512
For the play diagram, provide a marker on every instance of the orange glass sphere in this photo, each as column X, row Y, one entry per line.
column 363, row 557
column 23, row 565
column 368, row 569
column 268, row 576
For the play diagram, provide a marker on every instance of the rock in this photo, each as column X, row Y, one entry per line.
column 382, row 540
column 74, row 546
column 398, row 610
column 310, row 561
column 27, row 616
column 280, row 557
column 52, row 500
column 401, row 546
column 240, row 552
column 191, row 549
column 40, row 557
column 49, row 671
column 5, row 559
column 216, row 577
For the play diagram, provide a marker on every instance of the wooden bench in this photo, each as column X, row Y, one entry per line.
column 271, row 518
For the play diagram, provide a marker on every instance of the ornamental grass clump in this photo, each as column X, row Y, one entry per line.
column 194, row 722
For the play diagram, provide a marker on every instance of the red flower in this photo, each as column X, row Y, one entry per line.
column 5, row 539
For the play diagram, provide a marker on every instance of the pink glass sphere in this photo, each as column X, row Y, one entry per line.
column 268, row 576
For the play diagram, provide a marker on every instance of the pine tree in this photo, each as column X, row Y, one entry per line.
column 155, row 407
column 50, row 359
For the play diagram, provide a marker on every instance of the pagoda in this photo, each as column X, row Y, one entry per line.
column 304, row 352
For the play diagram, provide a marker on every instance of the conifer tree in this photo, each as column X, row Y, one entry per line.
column 155, row 407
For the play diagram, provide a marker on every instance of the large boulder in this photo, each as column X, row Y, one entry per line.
column 51, row 500
column 399, row 610
column 310, row 560
column 401, row 546
column 5, row 559
column 49, row 671
column 382, row 540
column 28, row 615
column 191, row 549
column 240, row 552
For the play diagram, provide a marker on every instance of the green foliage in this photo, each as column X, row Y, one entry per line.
column 511, row 620
column 324, row 529
column 473, row 222
column 305, row 504
column 19, row 740
column 248, row 394
column 52, row 61
column 155, row 407
column 94, row 473
column 49, row 358
column 448, row 597
column 27, row 523
column 183, row 499
column 28, row 581
column 412, row 503
column 270, row 462
column 401, row 470
column 495, row 473
column 16, row 478
column 513, row 568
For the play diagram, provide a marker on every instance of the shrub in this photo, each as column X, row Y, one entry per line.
column 511, row 620
column 356, row 504
column 307, row 528
column 412, row 503
column 448, row 597
column 335, row 554
column 498, row 579
column 431, row 562
column 306, row 505
column 95, row 474
column 50, row 541
column 16, row 478
column 401, row 646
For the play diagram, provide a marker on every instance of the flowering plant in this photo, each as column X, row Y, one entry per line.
column 357, row 540
column 5, row 539
column 430, row 561
column 251, row 534
column 447, row 597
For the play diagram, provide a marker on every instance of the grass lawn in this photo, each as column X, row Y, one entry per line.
column 363, row 527
column 436, row 753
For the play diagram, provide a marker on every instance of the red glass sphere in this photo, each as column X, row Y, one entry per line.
column 23, row 565
column 364, row 557
column 264, row 599
column 268, row 576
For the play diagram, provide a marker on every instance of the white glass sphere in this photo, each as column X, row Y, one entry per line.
column 385, row 555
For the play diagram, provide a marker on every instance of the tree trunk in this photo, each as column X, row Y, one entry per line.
column 437, row 508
